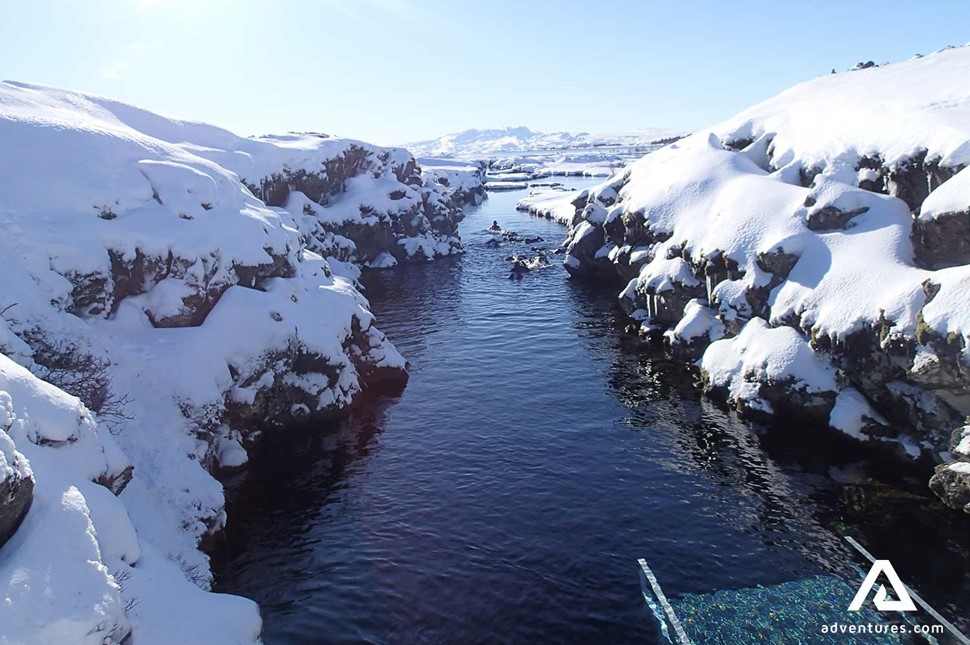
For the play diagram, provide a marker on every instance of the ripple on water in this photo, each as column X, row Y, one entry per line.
column 534, row 456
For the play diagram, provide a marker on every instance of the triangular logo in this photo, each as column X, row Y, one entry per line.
column 882, row 600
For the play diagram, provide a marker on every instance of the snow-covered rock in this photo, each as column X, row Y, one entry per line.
column 464, row 180
column 193, row 288
column 952, row 479
column 56, row 572
column 552, row 204
column 500, row 186
column 75, row 569
column 834, row 217
column 764, row 367
column 16, row 477
column 698, row 327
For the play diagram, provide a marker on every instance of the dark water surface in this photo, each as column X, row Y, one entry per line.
column 536, row 453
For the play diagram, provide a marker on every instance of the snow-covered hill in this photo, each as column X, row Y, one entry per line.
column 814, row 251
column 169, row 291
column 484, row 144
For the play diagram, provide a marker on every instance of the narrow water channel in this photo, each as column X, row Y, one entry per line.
column 536, row 454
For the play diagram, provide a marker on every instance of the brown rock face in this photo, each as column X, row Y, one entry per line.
column 913, row 180
column 952, row 485
column 318, row 186
column 830, row 218
column 116, row 482
column 16, row 494
column 584, row 249
column 943, row 241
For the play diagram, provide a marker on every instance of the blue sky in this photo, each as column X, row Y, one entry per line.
column 391, row 71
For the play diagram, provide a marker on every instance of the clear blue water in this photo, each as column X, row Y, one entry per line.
column 537, row 452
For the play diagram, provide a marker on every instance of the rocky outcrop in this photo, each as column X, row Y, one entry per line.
column 692, row 301
column 943, row 241
column 404, row 213
column 830, row 218
column 951, row 482
column 820, row 275
column 200, row 282
column 464, row 182
column 16, row 494
column 913, row 178
column 16, row 482
column 940, row 233
column 323, row 185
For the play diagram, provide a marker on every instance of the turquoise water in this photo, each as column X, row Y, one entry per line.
column 800, row 611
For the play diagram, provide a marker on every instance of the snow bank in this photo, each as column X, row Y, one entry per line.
column 699, row 322
column 951, row 197
column 556, row 205
column 568, row 163
column 185, row 176
column 761, row 357
column 194, row 289
column 76, row 563
column 825, row 228
column 505, row 185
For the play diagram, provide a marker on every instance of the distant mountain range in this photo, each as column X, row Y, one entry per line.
column 496, row 141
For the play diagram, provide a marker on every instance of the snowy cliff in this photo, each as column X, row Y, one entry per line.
column 813, row 252
column 169, row 291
